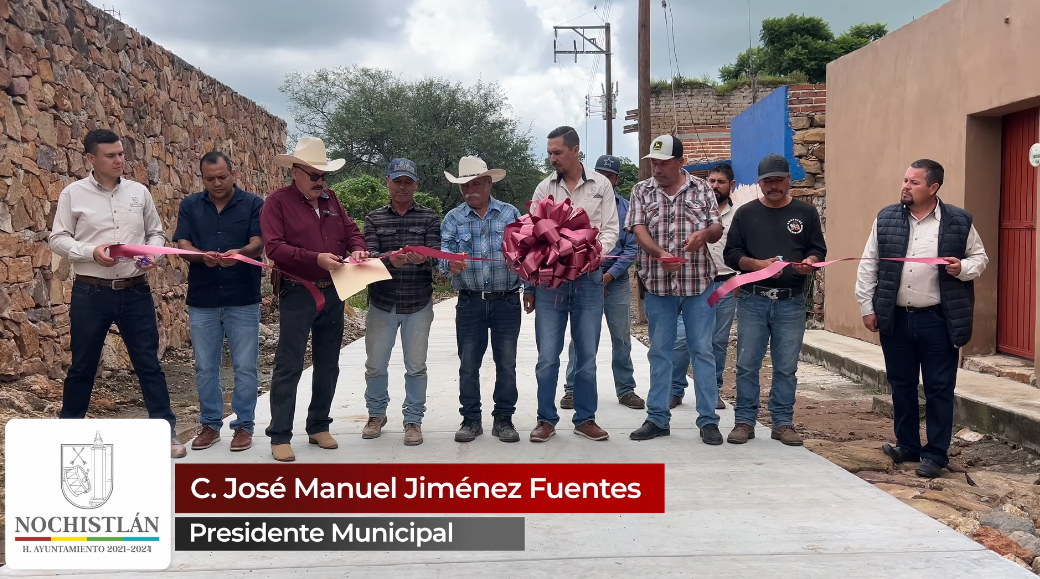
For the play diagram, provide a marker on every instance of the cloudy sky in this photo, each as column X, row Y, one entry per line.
column 252, row 44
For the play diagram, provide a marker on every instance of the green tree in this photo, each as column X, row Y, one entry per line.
column 370, row 116
column 430, row 201
column 363, row 194
column 629, row 177
column 799, row 44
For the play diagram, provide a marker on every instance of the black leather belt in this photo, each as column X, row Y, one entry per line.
column 115, row 284
column 488, row 296
column 724, row 277
column 773, row 293
column 321, row 283
column 913, row 310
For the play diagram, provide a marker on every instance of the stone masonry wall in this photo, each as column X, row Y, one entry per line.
column 66, row 67
column 807, row 107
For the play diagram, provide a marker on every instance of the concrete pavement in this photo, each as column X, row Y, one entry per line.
column 758, row 510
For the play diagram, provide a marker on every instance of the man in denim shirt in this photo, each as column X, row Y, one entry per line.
column 489, row 297
column 617, row 302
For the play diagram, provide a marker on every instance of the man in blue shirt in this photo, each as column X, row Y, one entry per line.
column 617, row 302
column 223, row 296
column 489, row 297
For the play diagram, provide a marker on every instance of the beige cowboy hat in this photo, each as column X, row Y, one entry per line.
column 310, row 151
column 472, row 167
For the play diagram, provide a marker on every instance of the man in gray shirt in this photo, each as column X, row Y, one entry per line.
column 93, row 214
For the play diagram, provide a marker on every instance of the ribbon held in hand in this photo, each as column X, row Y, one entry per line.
column 130, row 250
column 554, row 243
column 438, row 254
column 777, row 266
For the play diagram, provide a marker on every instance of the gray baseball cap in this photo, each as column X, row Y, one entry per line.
column 773, row 165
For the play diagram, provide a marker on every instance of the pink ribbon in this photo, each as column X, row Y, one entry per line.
column 130, row 250
column 438, row 254
column 774, row 268
column 554, row 243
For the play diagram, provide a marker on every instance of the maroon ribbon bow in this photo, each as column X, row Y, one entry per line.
column 554, row 243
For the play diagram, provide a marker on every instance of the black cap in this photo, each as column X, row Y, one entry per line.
column 773, row 165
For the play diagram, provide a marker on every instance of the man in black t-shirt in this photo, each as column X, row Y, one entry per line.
column 776, row 227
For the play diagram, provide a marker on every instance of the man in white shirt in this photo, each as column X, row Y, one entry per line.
column 580, row 300
column 923, row 313
column 93, row 214
column 720, row 177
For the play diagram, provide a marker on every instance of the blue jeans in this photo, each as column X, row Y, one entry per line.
column 781, row 324
column 380, row 336
column 474, row 318
column 582, row 302
column 699, row 320
column 617, row 308
column 92, row 312
column 725, row 309
column 241, row 326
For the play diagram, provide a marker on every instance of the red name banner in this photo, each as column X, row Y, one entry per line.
column 419, row 488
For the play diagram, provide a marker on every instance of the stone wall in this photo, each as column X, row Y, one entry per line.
column 807, row 106
column 66, row 68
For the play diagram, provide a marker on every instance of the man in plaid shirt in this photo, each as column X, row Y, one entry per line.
column 489, row 297
column 674, row 214
column 405, row 301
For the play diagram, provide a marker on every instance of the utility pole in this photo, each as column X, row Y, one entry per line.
column 643, row 116
column 597, row 49
column 644, row 88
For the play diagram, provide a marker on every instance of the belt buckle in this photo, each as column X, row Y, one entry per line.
column 771, row 293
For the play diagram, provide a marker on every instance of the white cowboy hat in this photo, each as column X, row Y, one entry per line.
column 310, row 151
column 472, row 167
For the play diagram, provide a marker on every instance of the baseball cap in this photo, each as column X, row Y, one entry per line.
column 665, row 147
column 609, row 163
column 402, row 168
column 773, row 165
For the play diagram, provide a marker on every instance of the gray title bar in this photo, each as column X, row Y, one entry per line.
column 349, row 534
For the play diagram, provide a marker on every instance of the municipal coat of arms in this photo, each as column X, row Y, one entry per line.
column 86, row 473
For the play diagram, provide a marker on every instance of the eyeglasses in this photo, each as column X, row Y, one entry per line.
column 313, row 176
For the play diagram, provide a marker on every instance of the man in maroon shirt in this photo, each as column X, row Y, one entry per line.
column 307, row 234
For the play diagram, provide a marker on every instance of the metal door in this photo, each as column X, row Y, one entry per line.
column 1016, row 295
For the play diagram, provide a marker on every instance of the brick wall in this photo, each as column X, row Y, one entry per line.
column 701, row 109
column 705, row 143
column 66, row 67
column 807, row 106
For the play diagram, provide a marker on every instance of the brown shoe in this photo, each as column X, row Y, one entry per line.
column 207, row 438
column 567, row 402
column 632, row 400
column 412, row 434
column 543, row 432
column 787, row 435
column 177, row 449
column 676, row 401
column 591, row 431
column 374, row 427
column 741, row 433
column 283, row 452
column 242, row 440
column 323, row 439
column 721, row 405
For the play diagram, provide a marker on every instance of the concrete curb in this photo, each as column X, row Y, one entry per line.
column 998, row 406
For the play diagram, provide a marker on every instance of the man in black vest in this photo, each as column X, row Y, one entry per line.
column 923, row 312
